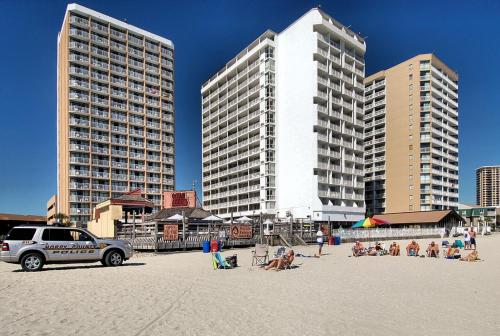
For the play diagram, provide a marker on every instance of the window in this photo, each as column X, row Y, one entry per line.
column 410, row 77
column 410, row 67
column 21, row 234
column 65, row 235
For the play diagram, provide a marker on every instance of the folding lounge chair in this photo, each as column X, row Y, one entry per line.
column 280, row 252
column 260, row 254
column 218, row 262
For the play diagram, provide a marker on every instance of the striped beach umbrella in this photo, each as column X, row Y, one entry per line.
column 369, row 222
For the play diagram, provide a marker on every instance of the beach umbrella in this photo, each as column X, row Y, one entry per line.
column 268, row 222
column 369, row 222
column 244, row 219
column 175, row 217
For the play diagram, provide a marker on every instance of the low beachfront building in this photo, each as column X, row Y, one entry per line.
column 8, row 221
column 424, row 219
column 479, row 216
column 119, row 213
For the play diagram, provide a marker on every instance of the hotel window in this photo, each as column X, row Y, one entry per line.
column 410, row 87
column 410, row 77
column 410, row 67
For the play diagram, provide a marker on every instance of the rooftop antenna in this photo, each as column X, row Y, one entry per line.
column 194, row 184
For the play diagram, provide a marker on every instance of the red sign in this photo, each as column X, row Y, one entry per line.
column 171, row 232
column 179, row 199
column 241, row 231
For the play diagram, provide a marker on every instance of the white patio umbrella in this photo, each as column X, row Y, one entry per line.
column 268, row 222
column 211, row 219
column 175, row 217
column 244, row 219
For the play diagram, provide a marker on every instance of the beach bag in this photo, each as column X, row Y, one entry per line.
column 232, row 260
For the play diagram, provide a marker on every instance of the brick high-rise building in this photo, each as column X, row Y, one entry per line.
column 115, row 118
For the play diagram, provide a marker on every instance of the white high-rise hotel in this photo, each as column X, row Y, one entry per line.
column 283, row 125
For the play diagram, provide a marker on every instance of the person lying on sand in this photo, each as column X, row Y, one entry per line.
column 412, row 249
column 433, row 250
column 473, row 256
column 358, row 249
column 281, row 263
column 394, row 249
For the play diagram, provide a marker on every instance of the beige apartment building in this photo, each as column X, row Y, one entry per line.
column 115, row 119
column 411, row 137
column 488, row 186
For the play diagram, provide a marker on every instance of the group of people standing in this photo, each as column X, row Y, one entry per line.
column 470, row 239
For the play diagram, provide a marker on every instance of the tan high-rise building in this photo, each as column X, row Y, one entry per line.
column 488, row 186
column 411, row 137
column 115, row 119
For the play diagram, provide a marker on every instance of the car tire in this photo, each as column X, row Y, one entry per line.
column 114, row 258
column 103, row 262
column 32, row 262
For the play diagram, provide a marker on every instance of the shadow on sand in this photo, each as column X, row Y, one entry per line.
column 63, row 268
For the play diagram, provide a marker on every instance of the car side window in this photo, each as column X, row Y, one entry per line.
column 57, row 235
column 80, row 236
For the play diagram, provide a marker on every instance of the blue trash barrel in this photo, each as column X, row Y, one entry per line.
column 337, row 240
column 206, row 246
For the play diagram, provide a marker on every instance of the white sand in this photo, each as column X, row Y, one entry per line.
column 180, row 294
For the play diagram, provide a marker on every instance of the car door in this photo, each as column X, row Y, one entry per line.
column 65, row 244
column 84, row 245
column 57, row 243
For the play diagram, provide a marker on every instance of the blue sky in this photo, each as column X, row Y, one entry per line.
column 207, row 34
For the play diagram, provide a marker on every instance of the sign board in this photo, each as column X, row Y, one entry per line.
column 241, row 232
column 171, row 232
column 179, row 199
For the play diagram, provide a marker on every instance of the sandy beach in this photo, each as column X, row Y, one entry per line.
column 180, row 294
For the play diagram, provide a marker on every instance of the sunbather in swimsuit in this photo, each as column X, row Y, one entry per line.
column 358, row 249
column 394, row 249
column 433, row 250
column 412, row 249
column 280, row 263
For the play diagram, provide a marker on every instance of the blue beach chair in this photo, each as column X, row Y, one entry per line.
column 218, row 262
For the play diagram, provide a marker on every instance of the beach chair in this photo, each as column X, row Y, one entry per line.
column 218, row 262
column 280, row 252
column 260, row 254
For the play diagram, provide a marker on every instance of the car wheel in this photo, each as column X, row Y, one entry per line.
column 114, row 258
column 32, row 262
column 103, row 262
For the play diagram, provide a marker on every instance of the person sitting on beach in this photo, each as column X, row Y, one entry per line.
column 453, row 252
column 376, row 251
column 280, row 263
column 433, row 250
column 358, row 249
column 412, row 249
column 394, row 249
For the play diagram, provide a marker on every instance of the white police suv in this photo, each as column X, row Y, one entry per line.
column 35, row 246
